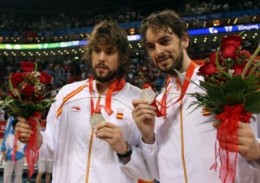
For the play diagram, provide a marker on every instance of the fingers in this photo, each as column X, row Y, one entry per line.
column 23, row 130
column 216, row 124
column 245, row 134
column 21, row 119
column 243, row 142
column 229, row 147
column 232, row 147
column 112, row 134
column 244, row 130
column 106, row 124
column 230, row 139
column 136, row 102
column 107, row 130
column 23, row 139
column 105, row 133
column 143, row 106
column 241, row 139
column 144, row 109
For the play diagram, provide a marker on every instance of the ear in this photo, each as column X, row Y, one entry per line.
column 185, row 41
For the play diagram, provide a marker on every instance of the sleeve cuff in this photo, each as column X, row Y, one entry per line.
column 148, row 147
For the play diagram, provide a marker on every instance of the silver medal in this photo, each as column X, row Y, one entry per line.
column 148, row 94
column 95, row 119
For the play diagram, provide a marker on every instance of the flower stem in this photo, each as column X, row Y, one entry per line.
column 249, row 63
column 254, row 68
column 218, row 66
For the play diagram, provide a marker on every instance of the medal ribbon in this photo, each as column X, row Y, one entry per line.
column 162, row 103
column 184, row 88
column 186, row 82
column 116, row 85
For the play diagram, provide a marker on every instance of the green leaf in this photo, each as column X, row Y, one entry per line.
column 251, row 82
column 252, row 102
column 215, row 106
column 234, row 85
column 214, row 92
column 234, row 98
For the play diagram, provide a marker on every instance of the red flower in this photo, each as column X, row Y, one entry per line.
column 26, row 97
column 208, row 69
column 213, row 57
column 45, row 78
column 16, row 79
column 229, row 46
column 27, row 66
column 28, row 90
column 238, row 69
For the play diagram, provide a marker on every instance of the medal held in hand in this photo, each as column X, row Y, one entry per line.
column 96, row 118
column 148, row 94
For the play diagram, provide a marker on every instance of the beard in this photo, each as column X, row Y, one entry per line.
column 106, row 78
column 176, row 64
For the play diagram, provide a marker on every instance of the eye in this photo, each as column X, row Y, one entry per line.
column 165, row 41
column 150, row 47
column 96, row 50
column 110, row 52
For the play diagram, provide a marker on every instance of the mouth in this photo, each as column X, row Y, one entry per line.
column 101, row 69
column 101, row 66
column 162, row 60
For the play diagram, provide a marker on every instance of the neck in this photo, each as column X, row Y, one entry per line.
column 186, row 62
column 102, row 87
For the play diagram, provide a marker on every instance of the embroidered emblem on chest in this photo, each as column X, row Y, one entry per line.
column 120, row 113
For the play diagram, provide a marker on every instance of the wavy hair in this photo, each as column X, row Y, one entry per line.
column 112, row 34
column 164, row 20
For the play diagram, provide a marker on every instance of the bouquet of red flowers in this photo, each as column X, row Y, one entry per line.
column 28, row 97
column 232, row 93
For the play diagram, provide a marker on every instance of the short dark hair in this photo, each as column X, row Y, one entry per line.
column 112, row 34
column 164, row 20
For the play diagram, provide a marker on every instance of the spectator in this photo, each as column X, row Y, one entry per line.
column 13, row 163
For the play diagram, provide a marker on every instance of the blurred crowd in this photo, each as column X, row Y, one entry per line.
column 66, row 69
column 28, row 25
column 195, row 8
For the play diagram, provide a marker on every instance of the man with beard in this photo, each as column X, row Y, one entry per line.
column 90, row 129
column 179, row 146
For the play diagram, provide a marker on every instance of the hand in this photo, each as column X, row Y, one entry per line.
column 246, row 143
column 144, row 116
column 112, row 134
column 24, row 129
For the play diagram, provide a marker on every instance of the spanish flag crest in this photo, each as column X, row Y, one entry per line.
column 120, row 113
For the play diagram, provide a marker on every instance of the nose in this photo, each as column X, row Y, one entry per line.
column 102, row 56
column 158, row 49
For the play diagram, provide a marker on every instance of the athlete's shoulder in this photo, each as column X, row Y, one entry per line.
column 133, row 88
column 68, row 88
column 74, row 85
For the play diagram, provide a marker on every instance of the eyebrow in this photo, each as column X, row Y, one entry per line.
column 161, row 38
column 164, row 37
column 109, row 47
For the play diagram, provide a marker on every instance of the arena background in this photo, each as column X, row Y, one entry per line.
column 52, row 33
